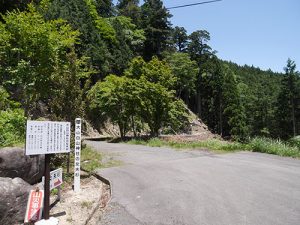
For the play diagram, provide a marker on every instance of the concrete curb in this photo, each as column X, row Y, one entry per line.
column 98, row 206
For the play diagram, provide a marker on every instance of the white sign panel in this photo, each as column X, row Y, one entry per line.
column 77, row 154
column 46, row 137
column 56, row 178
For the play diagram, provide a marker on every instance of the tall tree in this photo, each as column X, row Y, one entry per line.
column 211, row 86
column 288, row 101
column 155, row 22
column 199, row 51
column 185, row 70
column 198, row 47
column 96, row 34
column 180, row 38
column 104, row 7
column 131, row 9
column 233, row 109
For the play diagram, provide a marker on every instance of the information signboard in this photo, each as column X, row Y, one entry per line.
column 77, row 154
column 34, row 206
column 47, row 137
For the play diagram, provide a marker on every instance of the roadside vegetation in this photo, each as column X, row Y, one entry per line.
column 258, row 144
column 124, row 63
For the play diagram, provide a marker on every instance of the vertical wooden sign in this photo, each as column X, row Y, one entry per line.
column 77, row 154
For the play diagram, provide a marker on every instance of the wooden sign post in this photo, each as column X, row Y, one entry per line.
column 77, row 153
column 47, row 137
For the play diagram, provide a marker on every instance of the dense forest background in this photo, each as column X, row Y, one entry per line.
column 126, row 63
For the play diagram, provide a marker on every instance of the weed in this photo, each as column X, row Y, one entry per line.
column 272, row 146
column 86, row 204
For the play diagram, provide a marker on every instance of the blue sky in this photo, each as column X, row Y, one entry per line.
column 263, row 33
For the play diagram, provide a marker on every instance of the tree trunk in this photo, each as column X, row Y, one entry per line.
column 199, row 103
column 220, row 119
column 293, row 118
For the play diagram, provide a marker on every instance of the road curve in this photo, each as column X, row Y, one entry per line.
column 161, row 186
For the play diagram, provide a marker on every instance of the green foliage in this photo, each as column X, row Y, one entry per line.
column 39, row 65
column 5, row 102
column 12, row 127
column 272, row 146
column 107, row 98
column 159, row 108
column 53, row 51
column 133, row 36
column 130, row 9
column 129, row 41
column 295, row 141
column 180, row 38
column 156, row 26
column 197, row 47
column 234, row 112
column 288, row 104
column 259, row 90
column 210, row 94
column 186, row 71
column 90, row 160
column 83, row 17
column 102, row 24
column 33, row 53
column 142, row 96
column 155, row 71
column 9, row 5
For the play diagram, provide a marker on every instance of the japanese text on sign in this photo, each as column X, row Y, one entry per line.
column 77, row 154
column 34, row 206
column 45, row 137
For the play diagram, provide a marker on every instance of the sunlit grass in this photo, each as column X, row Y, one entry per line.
column 272, row 146
column 264, row 145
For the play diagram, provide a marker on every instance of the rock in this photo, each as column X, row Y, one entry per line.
column 14, row 163
column 13, row 200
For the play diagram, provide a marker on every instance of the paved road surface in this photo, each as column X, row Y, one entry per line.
column 160, row 186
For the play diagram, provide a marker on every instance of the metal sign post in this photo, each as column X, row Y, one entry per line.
column 77, row 155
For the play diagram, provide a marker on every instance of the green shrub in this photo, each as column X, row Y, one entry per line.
column 12, row 127
column 271, row 146
column 295, row 141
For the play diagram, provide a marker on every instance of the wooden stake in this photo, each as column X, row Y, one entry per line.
column 47, row 187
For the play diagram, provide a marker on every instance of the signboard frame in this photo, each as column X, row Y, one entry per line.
column 47, row 137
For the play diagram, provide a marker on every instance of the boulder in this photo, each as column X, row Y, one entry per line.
column 14, row 163
column 13, row 200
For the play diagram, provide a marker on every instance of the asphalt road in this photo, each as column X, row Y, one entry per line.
column 160, row 186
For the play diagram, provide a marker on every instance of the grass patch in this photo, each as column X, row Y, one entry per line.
column 213, row 144
column 90, row 159
column 264, row 145
column 86, row 204
column 271, row 146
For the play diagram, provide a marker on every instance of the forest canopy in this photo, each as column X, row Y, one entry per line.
column 127, row 64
